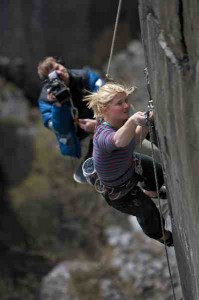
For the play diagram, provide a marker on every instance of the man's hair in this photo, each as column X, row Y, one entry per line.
column 100, row 99
column 46, row 66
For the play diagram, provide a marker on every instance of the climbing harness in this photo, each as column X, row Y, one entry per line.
column 113, row 40
column 152, row 108
column 113, row 193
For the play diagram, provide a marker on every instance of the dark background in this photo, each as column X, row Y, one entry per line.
column 79, row 31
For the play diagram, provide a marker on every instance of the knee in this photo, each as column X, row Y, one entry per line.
column 151, row 226
column 154, row 235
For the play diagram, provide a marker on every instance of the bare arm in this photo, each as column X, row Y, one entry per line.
column 142, row 131
column 131, row 129
column 87, row 125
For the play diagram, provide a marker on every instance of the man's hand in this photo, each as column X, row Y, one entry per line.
column 52, row 98
column 87, row 125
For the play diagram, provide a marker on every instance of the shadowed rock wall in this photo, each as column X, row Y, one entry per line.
column 170, row 31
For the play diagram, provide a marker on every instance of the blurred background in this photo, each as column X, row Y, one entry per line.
column 60, row 240
column 78, row 31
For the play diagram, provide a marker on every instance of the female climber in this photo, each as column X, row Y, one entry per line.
column 115, row 161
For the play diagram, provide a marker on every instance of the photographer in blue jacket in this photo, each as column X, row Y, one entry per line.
column 63, row 109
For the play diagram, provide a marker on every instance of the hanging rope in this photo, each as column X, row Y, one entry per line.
column 138, row 167
column 113, row 39
column 151, row 108
column 74, row 112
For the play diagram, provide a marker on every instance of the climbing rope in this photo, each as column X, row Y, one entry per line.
column 113, row 39
column 152, row 108
column 74, row 112
column 138, row 167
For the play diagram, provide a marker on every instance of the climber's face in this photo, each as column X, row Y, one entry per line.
column 118, row 108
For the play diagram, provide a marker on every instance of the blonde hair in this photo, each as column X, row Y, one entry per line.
column 100, row 99
column 45, row 66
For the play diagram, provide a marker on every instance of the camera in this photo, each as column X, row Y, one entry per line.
column 57, row 87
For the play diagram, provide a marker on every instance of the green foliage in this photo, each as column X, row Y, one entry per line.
column 60, row 215
column 85, row 281
column 12, row 122
column 63, row 220
column 23, row 289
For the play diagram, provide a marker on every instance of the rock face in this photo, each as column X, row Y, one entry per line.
column 79, row 31
column 170, row 33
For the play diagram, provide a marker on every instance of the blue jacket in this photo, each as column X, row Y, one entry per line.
column 59, row 119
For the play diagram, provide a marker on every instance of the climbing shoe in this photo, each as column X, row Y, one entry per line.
column 163, row 192
column 169, row 241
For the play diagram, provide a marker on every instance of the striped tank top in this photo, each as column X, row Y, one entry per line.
column 113, row 165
